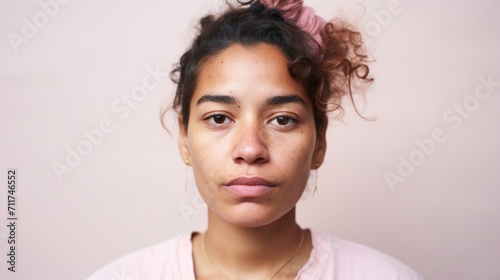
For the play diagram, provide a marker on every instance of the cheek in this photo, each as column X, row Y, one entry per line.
column 206, row 167
column 295, row 157
column 300, row 148
column 203, row 175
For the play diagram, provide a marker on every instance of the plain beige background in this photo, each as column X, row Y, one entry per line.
column 74, row 69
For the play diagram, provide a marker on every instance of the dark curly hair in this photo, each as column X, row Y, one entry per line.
column 328, row 72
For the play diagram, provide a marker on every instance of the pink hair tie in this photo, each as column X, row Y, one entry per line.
column 304, row 17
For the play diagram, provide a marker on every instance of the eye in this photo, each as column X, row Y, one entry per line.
column 283, row 121
column 218, row 119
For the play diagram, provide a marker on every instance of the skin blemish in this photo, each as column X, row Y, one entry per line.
column 284, row 160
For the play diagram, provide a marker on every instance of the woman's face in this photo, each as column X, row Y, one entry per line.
column 251, row 138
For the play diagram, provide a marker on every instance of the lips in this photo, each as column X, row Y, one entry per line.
column 251, row 181
column 250, row 186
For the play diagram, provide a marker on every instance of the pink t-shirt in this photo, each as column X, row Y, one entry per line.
column 331, row 259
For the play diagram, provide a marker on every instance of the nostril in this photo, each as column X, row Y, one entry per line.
column 250, row 153
column 250, row 144
column 253, row 160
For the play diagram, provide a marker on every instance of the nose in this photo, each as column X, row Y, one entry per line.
column 250, row 145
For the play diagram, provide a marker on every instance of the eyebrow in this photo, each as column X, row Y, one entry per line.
column 224, row 99
column 273, row 101
column 285, row 99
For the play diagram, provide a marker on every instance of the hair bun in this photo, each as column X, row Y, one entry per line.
column 304, row 17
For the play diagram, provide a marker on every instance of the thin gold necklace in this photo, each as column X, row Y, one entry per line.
column 272, row 276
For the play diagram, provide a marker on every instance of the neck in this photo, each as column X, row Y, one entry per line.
column 237, row 251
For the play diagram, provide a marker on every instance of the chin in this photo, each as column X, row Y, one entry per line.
column 252, row 215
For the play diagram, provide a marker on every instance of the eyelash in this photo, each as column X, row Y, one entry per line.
column 210, row 119
column 291, row 121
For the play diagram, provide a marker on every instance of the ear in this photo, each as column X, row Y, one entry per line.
column 183, row 143
column 320, row 148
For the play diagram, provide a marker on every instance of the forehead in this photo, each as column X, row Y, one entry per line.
column 242, row 70
column 254, row 54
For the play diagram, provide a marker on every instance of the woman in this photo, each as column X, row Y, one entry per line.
column 253, row 92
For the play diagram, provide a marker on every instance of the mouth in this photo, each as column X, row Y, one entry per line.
column 250, row 186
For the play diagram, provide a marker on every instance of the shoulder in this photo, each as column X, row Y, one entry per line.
column 159, row 261
column 335, row 258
